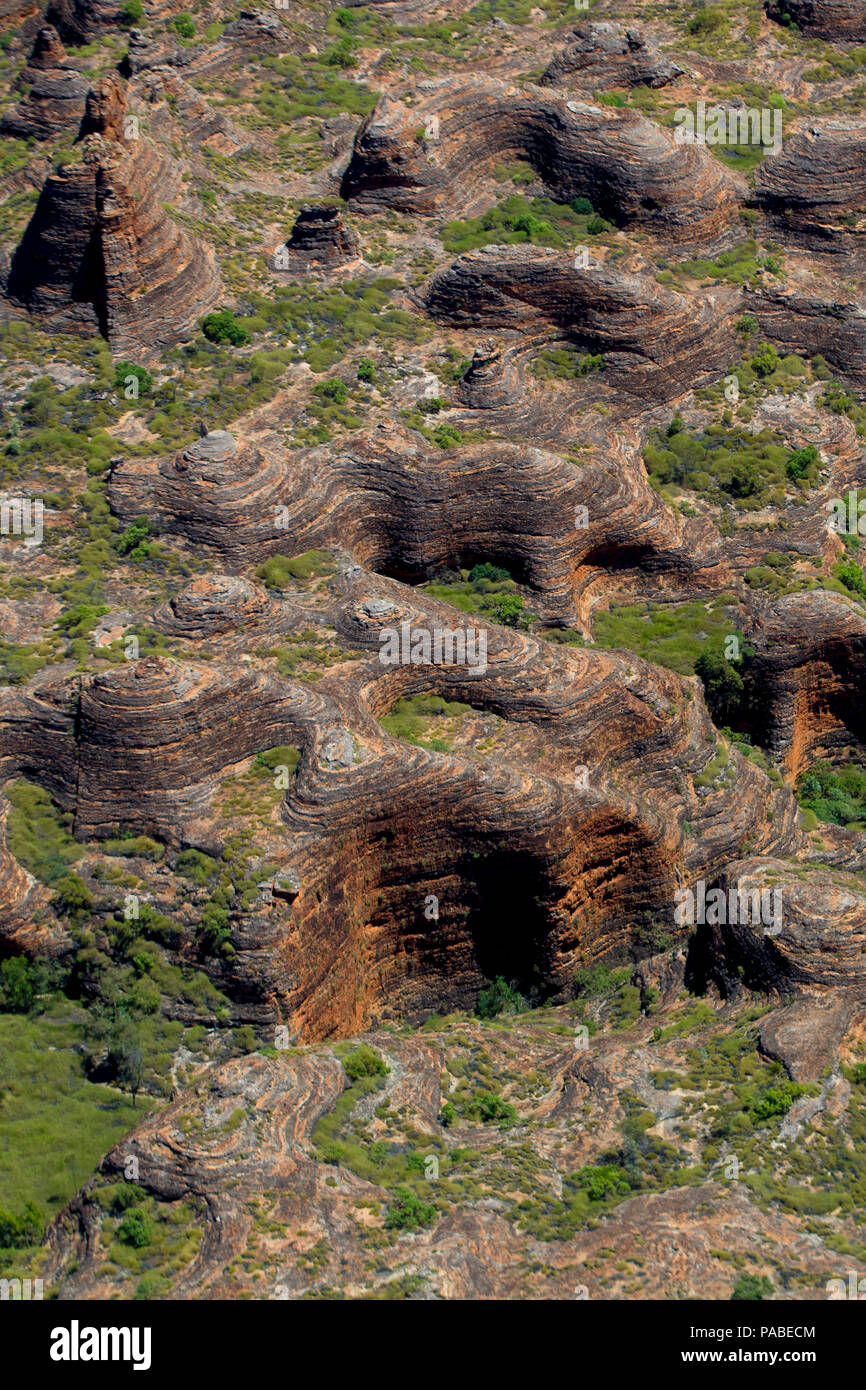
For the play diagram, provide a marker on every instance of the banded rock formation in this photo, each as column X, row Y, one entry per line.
column 56, row 95
column 813, row 323
column 101, row 254
column 814, row 189
column 319, row 240
column 828, row 19
column 416, row 158
column 819, row 944
column 80, row 21
column 601, row 55
column 248, row 1136
column 400, row 506
column 806, row 677
column 26, row 924
column 655, row 341
column 583, row 864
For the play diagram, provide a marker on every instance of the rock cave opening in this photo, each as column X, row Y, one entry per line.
column 510, row 921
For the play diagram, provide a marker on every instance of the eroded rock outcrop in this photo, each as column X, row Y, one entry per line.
column 603, row 55
column 319, row 240
column 814, row 323
column 79, row 21
column 493, row 379
column 428, row 157
column 26, row 924
column 806, row 676
column 55, row 96
column 101, row 253
column 402, row 507
column 815, row 940
column 653, row 340
column 242, row 1148
column 814, row 189
column 828, row 19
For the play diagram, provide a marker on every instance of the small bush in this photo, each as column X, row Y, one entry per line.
column 364, row 1062
column 222, row 327
column 135, row 1229
column 408, row 1212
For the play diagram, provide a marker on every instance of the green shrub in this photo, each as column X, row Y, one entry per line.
column 73, row 897
column 602, row 1181
column 836, row 795
column 135, row 1229
column 124, row 370
column 446, row 437
column 751, row 1288
column 24, row 1230
column 17, row 987
column 331, row 390
column 131, row 13
column 851, row 576
column 184, row 25
column 491, row 1109
column 802, row 461
column 497, row 998
column 222, row 327
column 364, row 1062
column 407, row 1212
column 194, row 864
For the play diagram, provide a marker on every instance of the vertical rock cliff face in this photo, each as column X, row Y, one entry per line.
column 806, row 678
column 100, row 252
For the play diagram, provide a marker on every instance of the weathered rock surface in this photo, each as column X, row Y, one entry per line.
column 813, row 323
column 319, row 240
column 602, row 55
column 652, row 339
column 101, row 254
column 428, row 157
column 584, row 862
column 56, row 92
column 828, row 19
column 79, row 21
column 806, row 677
column 816, row 941
column 814, row 189
column 26, row 924
column 400, row 506
column 240, row 1147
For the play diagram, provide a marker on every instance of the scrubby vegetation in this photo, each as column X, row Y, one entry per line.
column 835, row 793
column 729, row 464
column 519, row 220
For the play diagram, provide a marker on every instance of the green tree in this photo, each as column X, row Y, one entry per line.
column 497, row 998
column 508, row 610
column 801, row 462
column 17, row 989
column 751, row 1288
column 723, row 686
column 135, row 1229
column 129, row 1061
column 222, row 327
column 407, row 1212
